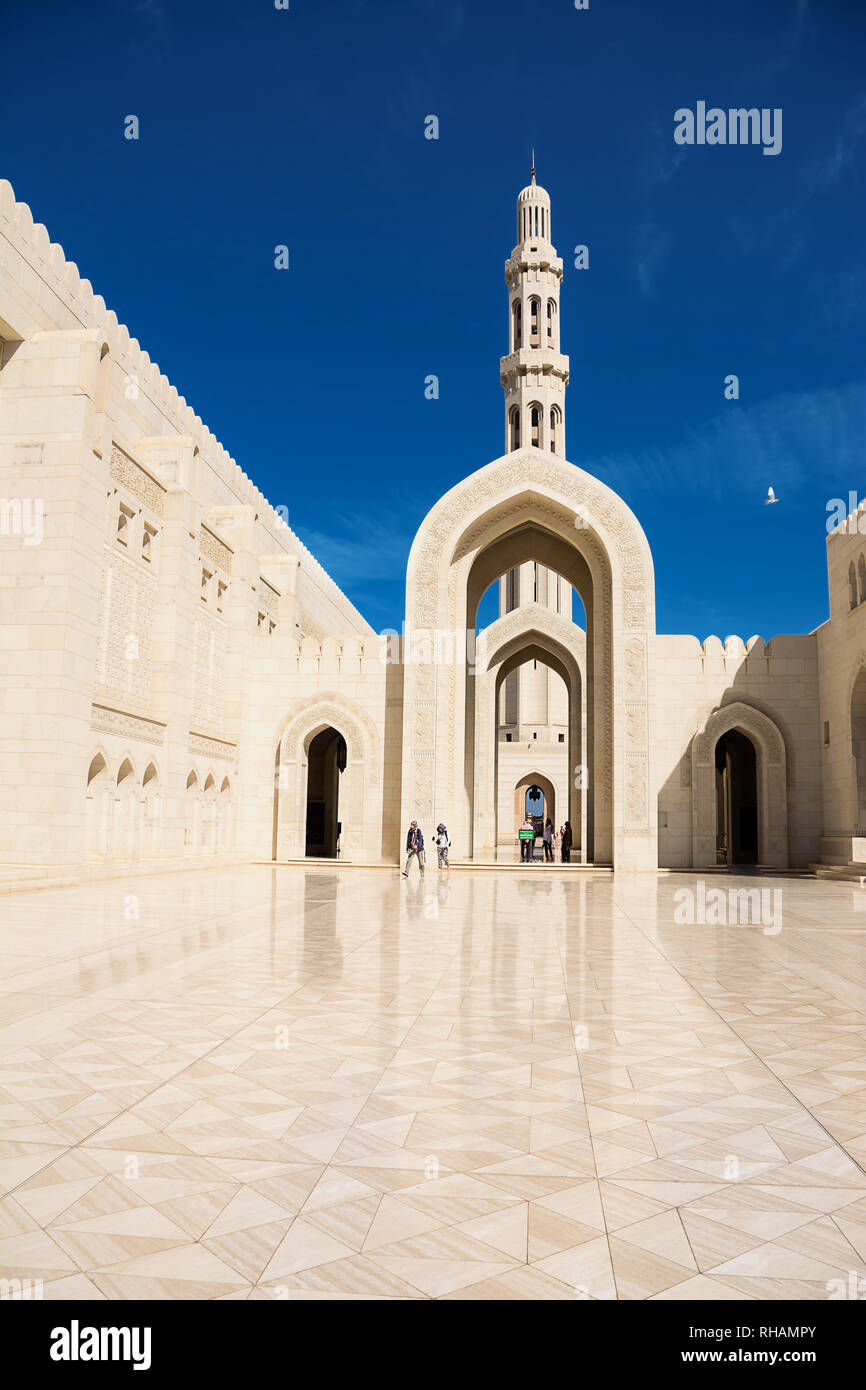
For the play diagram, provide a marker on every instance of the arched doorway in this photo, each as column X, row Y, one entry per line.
column 739, row 790
column 736, row 800
column 858, row 750
column 302, row 773
column 534, row 796
column 518, row 509
column 326, row 762
column 523, row 635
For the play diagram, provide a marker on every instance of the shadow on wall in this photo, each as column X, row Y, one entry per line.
column 737, row 813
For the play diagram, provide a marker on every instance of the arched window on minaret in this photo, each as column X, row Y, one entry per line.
column 536, row 416
column 555, row 423
column 534, row 312
column 551, row 322
column 514, row 427
column 861, row 574
column 852, row 585
column 516, row 325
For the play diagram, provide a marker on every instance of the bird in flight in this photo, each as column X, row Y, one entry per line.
column 770, row 497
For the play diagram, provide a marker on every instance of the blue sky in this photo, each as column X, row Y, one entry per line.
column 305, row 127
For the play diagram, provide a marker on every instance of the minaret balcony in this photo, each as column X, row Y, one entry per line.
column 524, row 259
column 534, row 359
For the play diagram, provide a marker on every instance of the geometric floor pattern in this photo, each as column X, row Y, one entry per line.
column 316, row 1084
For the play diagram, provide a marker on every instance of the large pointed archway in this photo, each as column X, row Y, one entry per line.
column 531, row 505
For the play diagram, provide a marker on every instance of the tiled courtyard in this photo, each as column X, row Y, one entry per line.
column 316, row 1083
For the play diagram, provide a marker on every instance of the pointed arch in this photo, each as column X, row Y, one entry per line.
column 772, row 783
column 98, row 806
column 514, row 428
column 361, row 808
column 530, row 632
column 856, row 713
column 534, row 306
column 536, row 425
column 516, row 325
column 98, row 769
column 192, row 813
column 523, row 506
column 126, row 773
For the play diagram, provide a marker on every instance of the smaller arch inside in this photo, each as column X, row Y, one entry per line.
column 858, row 749
column 736, row 799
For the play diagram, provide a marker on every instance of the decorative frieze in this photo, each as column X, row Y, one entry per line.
column 215, row 550
column 268, row 597
column 105, row 720
column 213, row 747
column 137, row 480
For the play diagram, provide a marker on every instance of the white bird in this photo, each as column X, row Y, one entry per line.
column 770, row 497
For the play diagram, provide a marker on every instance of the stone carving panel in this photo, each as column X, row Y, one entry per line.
column 215, row 550
column 212, row 748
column 635, row 794
column 209, row 671
column 126, row 626
column 131, row 475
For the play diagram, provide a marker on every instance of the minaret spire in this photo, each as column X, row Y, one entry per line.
column 535, row 372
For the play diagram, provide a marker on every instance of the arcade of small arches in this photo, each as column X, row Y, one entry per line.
column 542, row 324
column 539, row 426
column 129, row 817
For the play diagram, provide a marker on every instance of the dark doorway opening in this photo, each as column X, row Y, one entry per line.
column 326, row 760
column 736, row 800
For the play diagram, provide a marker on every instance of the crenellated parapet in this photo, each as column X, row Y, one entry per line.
column 77, row 307
column 353, row 656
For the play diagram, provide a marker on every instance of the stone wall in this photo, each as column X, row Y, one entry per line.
column 132, row 623
column 780, row 679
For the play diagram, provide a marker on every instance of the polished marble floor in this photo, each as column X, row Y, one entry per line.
column 301, row 1083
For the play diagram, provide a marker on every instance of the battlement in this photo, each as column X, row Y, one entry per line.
column 734, row 649
column 45, row 268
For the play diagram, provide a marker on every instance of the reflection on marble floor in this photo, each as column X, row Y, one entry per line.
column 315, row 1084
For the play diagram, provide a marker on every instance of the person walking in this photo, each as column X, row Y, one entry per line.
column 567, row 842
column 547, row 840
column 527, row 844
column 414, row 846
column 443, row 844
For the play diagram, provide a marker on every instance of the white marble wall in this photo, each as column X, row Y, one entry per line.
column 105, row 653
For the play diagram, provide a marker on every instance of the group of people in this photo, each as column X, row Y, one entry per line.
column 415, row 847
column 549, row 839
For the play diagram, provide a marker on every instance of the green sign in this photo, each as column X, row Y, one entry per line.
column 526, row 834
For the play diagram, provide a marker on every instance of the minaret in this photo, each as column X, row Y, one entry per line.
column 533, row 702
column 535, row 373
